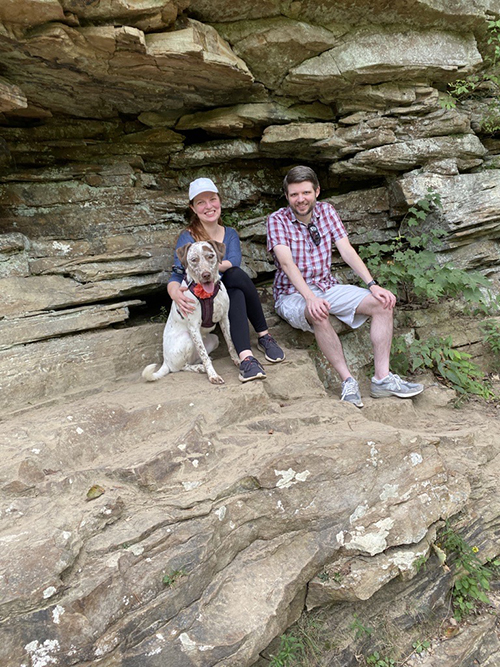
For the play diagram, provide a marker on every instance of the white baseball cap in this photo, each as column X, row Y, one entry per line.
column 201, row 185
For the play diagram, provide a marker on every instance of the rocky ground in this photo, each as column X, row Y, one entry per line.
column 184, row 521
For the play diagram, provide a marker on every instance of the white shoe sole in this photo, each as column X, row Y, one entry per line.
column 386, row 393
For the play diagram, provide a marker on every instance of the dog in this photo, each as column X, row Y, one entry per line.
column 187, row 340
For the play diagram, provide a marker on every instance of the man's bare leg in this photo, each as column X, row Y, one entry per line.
column 329, row 344
column 381, row 331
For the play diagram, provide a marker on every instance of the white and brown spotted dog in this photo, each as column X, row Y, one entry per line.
column 187, row 340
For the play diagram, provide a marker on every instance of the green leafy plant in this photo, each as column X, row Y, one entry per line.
column 490, row 124
column 421, row 562
column 291, row 648
column 491, row 335
column 407, row 265
column 377, row 660
column 472, row 577
column 421, row 646
column 302, row 644
column 359, row 628
column 337, row 577
column 310, row 629
column 474, row 84
column 437, row 354
column 494, row 42
column 170, row 579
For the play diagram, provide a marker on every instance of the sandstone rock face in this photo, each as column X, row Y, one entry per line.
column 31, row 12
column 372, row 57
column 178, row 66
column 11, row 97
column 245, row 501
column 286, row 43
column 250, row 119
column 108, row 109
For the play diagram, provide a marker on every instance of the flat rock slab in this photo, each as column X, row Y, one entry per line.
column 19, row 296
column 22, row 330
column 203, row 497
column 47, row 370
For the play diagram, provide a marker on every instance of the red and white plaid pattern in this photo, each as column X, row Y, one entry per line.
column 314, row 262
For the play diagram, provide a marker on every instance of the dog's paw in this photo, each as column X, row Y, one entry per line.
column 216, row 379
column 236, row 361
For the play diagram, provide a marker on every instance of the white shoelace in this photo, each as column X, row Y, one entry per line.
column 350, row 387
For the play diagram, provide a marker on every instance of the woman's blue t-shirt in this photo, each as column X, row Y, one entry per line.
column 232, row 254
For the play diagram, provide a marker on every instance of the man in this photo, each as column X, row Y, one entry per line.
column 300, row 237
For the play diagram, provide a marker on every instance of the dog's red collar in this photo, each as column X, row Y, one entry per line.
column 206, row 301
column 200, row 292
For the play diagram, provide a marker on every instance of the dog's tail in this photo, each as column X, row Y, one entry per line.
column 150, row 375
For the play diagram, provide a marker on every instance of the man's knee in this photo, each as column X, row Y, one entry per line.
column 382, row 313
column 375, row 308
column 321, row 325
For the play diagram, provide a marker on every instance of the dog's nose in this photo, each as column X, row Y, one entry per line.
column 206, row 275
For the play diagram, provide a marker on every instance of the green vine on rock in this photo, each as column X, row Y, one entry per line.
column 472, row 581
column 484, row 84
column 438, row 355
column 408, row 266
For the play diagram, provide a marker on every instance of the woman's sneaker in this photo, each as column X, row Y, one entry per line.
column 350, row 392
column 250, row 369
column 271, row 349
column 393, row 385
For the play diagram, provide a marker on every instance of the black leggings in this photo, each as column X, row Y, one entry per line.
column 244, row 305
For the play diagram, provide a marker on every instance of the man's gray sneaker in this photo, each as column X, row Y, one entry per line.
column 271, row 349
column 350, row 392
column 250, row 369
column 393, row 385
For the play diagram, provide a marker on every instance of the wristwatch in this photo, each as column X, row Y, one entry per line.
column 371, row 283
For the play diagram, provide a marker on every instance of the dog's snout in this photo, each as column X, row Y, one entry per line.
column 206, row 275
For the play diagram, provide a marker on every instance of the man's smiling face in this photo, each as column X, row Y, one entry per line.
column 302, row 198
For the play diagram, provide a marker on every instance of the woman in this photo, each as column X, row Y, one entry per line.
column 204, row 225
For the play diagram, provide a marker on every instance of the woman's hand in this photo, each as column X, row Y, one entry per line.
column 184, row 302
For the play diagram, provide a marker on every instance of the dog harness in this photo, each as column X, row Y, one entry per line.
column 206, row 301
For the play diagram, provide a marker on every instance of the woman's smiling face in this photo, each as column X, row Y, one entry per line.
column 207, row 207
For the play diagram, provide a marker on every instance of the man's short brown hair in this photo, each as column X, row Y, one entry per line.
column 300, row 174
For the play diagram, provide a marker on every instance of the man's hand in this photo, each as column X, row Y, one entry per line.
column 318, row 308
column 385, row 296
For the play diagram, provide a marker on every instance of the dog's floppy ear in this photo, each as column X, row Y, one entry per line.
column 182, row 253
column 220, row 249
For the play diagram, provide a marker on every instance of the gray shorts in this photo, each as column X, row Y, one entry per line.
column 343, row 300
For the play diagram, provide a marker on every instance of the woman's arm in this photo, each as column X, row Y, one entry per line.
column 233, row 250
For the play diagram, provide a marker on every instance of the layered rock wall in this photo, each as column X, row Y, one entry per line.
column 108, row 109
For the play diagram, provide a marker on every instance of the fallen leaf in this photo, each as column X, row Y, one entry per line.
column 440, row 554
column 94, row 492
column 450, row 631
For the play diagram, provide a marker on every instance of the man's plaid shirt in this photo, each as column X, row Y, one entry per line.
column 313, row 261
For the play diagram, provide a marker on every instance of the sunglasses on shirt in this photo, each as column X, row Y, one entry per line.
column 314, row 234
